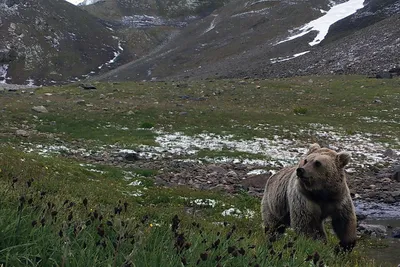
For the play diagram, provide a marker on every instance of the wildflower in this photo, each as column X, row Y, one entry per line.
column 85, row 202
column 204, row 256
column 175, row 223
column 315, row 258
column 216, row 244
column 151, row 225
column 100, row 230
column 184, row 261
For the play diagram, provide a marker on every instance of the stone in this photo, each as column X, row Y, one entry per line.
column 389, row 153
column 131, row 157
column 396, row 232
column 395, row 194
column 80, row 101
column 396, row 174
column 372, row 186
column 231, row 174
column 384, row 75
column 389, row 199
column 40, row 109
column 217, row 169
column 256, row 181
column 87, row 86
column 22, row 133
column 361, row 217
column 374, row 230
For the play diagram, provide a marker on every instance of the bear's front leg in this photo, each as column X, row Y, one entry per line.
column 344, row 223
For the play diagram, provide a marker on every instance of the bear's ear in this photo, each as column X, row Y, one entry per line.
column 343, row 159
column 313, row 148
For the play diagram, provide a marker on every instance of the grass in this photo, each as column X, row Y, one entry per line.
column 122, row 113
column 56, row 212
column 226, row 153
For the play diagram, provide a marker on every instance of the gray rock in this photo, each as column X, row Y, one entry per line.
column 396, row 232
column 40, row 109
column 217, row 169
column 22, row 133
column 374, row 230
column 231, row 174
column 384, row 75
column 87, row 86
column 396, row 174
column 395, row 194
column 389, row 153
column 256, row 181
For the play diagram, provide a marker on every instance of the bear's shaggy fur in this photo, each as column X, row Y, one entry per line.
column 304, row 196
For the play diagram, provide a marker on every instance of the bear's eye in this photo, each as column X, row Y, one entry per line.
column 305, row 161
column 317, row 163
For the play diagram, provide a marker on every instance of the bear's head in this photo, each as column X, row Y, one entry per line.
column 322, row 170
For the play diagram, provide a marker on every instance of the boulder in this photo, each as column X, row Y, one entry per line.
column 256, row 181
column 22, row 133
column 396, row 174
column 396, row 232
column 374, row 230
column 87, row 86
column 384, row 75
column 40, row 109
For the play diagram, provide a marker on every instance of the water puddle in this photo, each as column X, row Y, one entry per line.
column 390, row 255
column 387, row 215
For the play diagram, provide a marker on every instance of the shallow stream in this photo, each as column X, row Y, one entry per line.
column 388, row 216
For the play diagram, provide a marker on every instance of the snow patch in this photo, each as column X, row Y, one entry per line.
column 282, row 59
column 136, row 183
column 212, row 25
column 322, row 24
column 256, row 172
column 3, row 73
column 204, row 202
column 234, row 212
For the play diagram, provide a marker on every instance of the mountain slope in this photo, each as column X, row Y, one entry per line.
column 244, row 39
column 168, row 9
column 50, row 41
column 146, row 25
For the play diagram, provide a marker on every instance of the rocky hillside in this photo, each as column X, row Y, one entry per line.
column 47, row 41
column 145, row 26
column 169, row 9
column 252, row 38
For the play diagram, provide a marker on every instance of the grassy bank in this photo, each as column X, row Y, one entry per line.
column 56, row 212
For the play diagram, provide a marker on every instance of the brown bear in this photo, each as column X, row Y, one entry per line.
column 303, row 196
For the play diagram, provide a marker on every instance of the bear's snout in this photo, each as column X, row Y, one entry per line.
column 300, row 172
